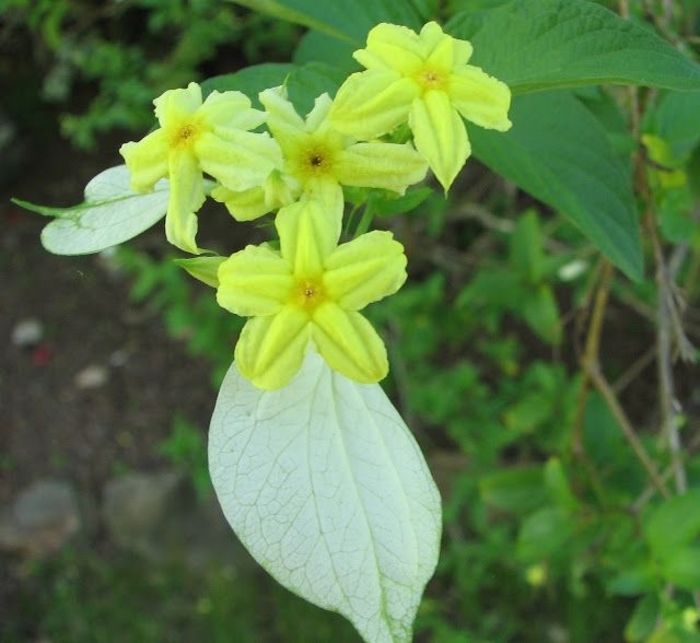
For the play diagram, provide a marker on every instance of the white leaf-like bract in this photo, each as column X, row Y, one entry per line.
column 326, row 487
column 111, row 214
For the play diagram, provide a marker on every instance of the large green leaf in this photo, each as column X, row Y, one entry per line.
column 345, row 20
column 674, row 524
column 326, row 487
column 303, row 83
column 538, row 44
column 559, row 152
column 675, row 120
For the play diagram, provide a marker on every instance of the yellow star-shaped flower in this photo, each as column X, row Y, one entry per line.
column 318, row 161
column 194, row 138
column 423, row 79
column 308, row 293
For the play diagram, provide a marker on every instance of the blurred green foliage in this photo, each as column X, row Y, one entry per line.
column 82, row 598
column 123, row 53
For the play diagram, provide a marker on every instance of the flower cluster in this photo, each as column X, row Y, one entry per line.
column 309, row 290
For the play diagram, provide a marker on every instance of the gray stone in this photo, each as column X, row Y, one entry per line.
column 27, row 332
column 92, row 376
column 43, row 518
column 158, row 516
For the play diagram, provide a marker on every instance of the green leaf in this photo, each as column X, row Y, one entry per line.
column 682, row 568
column 529, row 413
column 558, row 152
column 526, row 247
column 543, row 534
column 111, row 214
column 674, row 523
column 633, row 581
column 542, row 44
column 345, row 20
column 324, row 484
column 557, row 485
column 540, row 311
column 317, row 45
column 303, row 83
column 643, row 619
column 514, row 490
column 675, row 119
column 385, row 203
column 249, row 80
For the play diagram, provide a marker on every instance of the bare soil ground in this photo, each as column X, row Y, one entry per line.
column 49, row 426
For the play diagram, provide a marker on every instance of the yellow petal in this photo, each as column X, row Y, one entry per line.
column 244, row 205
column 270, row 350
column 372, row 103
column 317, row 117
column 177, row 104
column 347, row 341
column 254, row 281
column 327, row 193
column 439, row 135
column 480, row 98
column 282, row 118
column 279, row 189
column 308, row 234
column 240, row 161
column 230, row 110
column 380, row 165
column 392, row 47
column 432, row 35
column 147, row 160
column 364, row 270
column 442, row 51
column 186, row 197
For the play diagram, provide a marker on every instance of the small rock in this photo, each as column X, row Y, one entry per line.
column 118, row 358
column 92, row 376
column 43, row 518
column 158, row 516
column 134, row 505
column 27, row 332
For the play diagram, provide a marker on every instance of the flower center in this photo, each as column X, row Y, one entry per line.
column 308, row 293
column 315, row 160
column 185, row 135
column 430, row 79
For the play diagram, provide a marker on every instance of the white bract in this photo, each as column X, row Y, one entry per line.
column 111, row 214
column 326, row 487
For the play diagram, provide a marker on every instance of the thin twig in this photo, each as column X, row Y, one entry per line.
column 590, row 356
column 591, row 351
column 622, row 382
column 649, row 492
column 618, row 412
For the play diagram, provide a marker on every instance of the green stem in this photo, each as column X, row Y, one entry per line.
column 365, row 221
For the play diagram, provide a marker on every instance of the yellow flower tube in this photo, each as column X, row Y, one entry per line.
column 422, row 79
column 319, row 161
column 308, row 293
column 197, row 138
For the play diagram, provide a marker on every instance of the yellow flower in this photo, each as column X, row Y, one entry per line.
column 308, row 293
column 423, row 79
column 665, row 170
column 319, row 160
column 196, row 138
